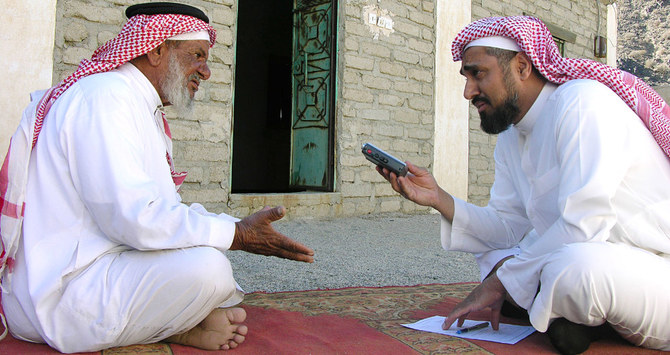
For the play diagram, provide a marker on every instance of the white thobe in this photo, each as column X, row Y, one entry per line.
column 578, row 172
column 108, row 249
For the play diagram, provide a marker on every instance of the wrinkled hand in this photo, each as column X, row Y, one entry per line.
column 490, row 293
column 418, row 186
column 255, row 234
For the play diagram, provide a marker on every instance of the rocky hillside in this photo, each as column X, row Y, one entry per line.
column 644, row 39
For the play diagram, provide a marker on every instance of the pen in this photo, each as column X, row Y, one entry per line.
column 474, row 327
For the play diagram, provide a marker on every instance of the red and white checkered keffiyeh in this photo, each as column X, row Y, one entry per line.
column 139, row 35
column 536, row 41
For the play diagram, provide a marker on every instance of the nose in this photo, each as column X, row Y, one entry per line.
column 471, row 90
column 204, row 71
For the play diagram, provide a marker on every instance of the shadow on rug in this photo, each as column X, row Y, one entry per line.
column 358, row 320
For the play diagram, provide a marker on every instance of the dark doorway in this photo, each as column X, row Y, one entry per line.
column 262, row 106
column 270, row 110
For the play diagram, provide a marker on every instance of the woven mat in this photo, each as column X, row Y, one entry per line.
column 358, row 320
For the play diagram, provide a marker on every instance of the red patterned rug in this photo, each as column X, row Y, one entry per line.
column 358, row 320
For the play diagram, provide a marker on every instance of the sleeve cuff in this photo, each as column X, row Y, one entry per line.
column 487, row 260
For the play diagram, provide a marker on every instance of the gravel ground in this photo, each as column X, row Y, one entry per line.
column 372, row 250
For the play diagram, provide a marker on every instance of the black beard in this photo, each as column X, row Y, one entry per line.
column 502, row 117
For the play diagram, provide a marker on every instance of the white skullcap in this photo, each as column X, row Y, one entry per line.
column 190, row 36
column 495, row 42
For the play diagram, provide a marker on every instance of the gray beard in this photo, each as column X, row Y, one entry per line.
column 174, row 89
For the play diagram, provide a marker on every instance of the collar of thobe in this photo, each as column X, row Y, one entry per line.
column 147, row 91
column 143, row 85
column 525, row 126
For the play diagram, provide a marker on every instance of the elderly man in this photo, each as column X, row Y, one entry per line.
column 577, row 230
column 98, row 248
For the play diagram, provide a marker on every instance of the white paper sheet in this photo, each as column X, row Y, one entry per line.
column 506, row 334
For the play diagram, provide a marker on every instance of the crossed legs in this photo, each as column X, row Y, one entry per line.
column 593, row 283
column 136, row 297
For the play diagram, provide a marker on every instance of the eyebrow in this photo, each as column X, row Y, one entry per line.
column 468, row 68
column 200, row 51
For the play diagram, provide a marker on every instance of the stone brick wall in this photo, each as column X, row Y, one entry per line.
column 576, row 16
column 386, row 97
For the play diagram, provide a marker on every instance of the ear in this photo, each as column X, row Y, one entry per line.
column 524, row 65
column 157, row 55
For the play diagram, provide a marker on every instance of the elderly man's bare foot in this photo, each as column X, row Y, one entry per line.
column 221, row 330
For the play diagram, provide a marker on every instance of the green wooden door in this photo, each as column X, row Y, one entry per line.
column 313, row 90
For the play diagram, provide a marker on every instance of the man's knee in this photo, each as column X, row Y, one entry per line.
column 576, row 268
column 580, row 258
column 207, row 268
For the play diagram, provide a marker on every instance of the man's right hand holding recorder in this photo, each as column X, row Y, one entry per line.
column 419, row 186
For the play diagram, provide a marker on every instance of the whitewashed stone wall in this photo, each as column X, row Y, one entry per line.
column 21, row 74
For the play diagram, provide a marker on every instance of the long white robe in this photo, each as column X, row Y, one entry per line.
column 99, row 184
column 580, row 167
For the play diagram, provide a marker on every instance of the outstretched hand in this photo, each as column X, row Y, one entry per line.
column 490, row 293
column 418, row 186
column 255, row 234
